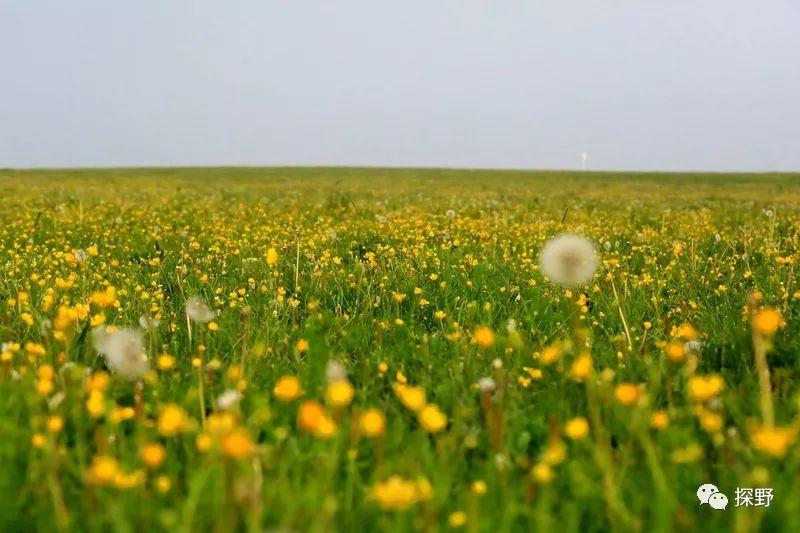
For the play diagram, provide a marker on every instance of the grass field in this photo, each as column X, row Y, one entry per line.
column 381, row 351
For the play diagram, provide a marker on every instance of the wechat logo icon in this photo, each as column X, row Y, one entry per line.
column 710, row 494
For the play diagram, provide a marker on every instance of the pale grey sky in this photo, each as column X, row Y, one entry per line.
column 639, row 84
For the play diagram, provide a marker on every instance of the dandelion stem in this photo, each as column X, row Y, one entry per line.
column 762, row 367
column 622, row 315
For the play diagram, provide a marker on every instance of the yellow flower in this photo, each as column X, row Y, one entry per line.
column 287, row 388
column 203, row 442
column 774, row 441
column 710, row 422
column 457, row 519
column 412, row 397
column 542, row 473
column 272, row 256
column 373, row 423
column 439, row 315
column 432, row 418
column 339, row 393
column 767, row 321
column 577, row 428
column 213, row 326
column 38, row 440
column 626, row 393
column 326, row 427
column 581, row 367
column 172, row 420
column 396, row 493
column 103, row 470
column 550, row 354
column 96, row 404
column 165, row 362
column 703, row 388
column 675, row 351
column 152, row 455
column 104, row 298
column 483, row 336
column 478, row 487
column 163, row 484
column 237, row 444
column 302, row 346
column 659, row 420
column 54, row 424
column 309, row 415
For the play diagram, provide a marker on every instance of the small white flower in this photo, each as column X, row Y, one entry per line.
column 487, row 384
column 568, row 260
column 148, row 322
column 198, row 311
column 123, row 350
column 81, row 255
column 450, row 213
column 228, row 399
column 497, row 363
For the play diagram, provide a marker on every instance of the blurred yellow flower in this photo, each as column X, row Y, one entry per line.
column 483, row 336
column 432, row 418
column 576, row 428
column 372, row 423
column 287, row 389
column 767, row 321
column 703, row 388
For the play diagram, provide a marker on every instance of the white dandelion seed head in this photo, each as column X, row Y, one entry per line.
column 335, row 371
column 568, row 260
column 693, row 347
column 228, row 399
column 497, row 363
column 123, row 350
column 81, row 255
column 56, row 400
column 487, row 384
column 198, row 311
column 450, row 213
column 148, row 322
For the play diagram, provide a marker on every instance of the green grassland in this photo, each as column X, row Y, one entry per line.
column 391, row 272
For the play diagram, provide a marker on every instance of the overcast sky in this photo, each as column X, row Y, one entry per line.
column 638, row 84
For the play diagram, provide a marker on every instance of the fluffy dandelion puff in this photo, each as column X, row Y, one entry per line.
column 335, row 371
column 450, row 213
column 123, row 350
column 487, row 384
column 568, row 260
column 228, row 399
column 198, row 311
